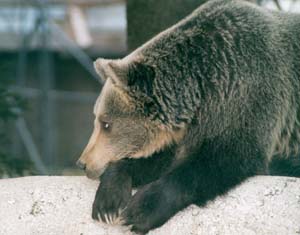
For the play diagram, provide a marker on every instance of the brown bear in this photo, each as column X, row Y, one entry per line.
column 194, row 112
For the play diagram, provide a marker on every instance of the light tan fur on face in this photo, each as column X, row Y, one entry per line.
column 93, row 156
column 103, row 149
column 96, row 156
column 98, row 153
column 159, row 141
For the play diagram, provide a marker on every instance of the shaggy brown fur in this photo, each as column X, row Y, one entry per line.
column 195, row 111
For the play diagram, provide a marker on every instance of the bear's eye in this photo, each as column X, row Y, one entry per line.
column 105, row 126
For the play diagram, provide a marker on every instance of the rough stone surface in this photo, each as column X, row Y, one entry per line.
column 62, row 205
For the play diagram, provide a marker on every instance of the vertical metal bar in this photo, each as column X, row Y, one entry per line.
column 22, row 58
column 46, row 83
column 22, row 132
column 20, row 73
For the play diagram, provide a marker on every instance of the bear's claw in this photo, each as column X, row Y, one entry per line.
column 111, row 198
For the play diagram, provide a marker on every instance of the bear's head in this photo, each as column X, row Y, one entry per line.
column 128, row 122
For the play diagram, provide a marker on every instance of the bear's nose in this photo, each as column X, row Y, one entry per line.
column 81, row 165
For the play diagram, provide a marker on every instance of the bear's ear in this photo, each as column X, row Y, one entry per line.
column 117, row 70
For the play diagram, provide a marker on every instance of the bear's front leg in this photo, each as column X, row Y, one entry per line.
column 219, row 165
column 113, row 193
column 118, row 179
column 151, row 206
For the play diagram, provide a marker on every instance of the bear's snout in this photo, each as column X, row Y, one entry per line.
column 81, row 165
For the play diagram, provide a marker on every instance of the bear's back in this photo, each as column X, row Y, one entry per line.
column 230, row 53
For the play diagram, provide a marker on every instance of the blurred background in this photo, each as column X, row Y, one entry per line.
column 47, row 82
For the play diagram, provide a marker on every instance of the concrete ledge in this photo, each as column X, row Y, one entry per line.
column 62, row 205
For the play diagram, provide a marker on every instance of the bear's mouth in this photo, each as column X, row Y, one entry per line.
column 94, row 174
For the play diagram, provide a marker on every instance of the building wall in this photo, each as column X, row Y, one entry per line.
column 146, row 18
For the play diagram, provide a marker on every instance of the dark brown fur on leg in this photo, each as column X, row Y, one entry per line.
column 117, row 181
column 225, row 161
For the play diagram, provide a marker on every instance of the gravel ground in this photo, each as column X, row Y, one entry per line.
column 58, row 205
